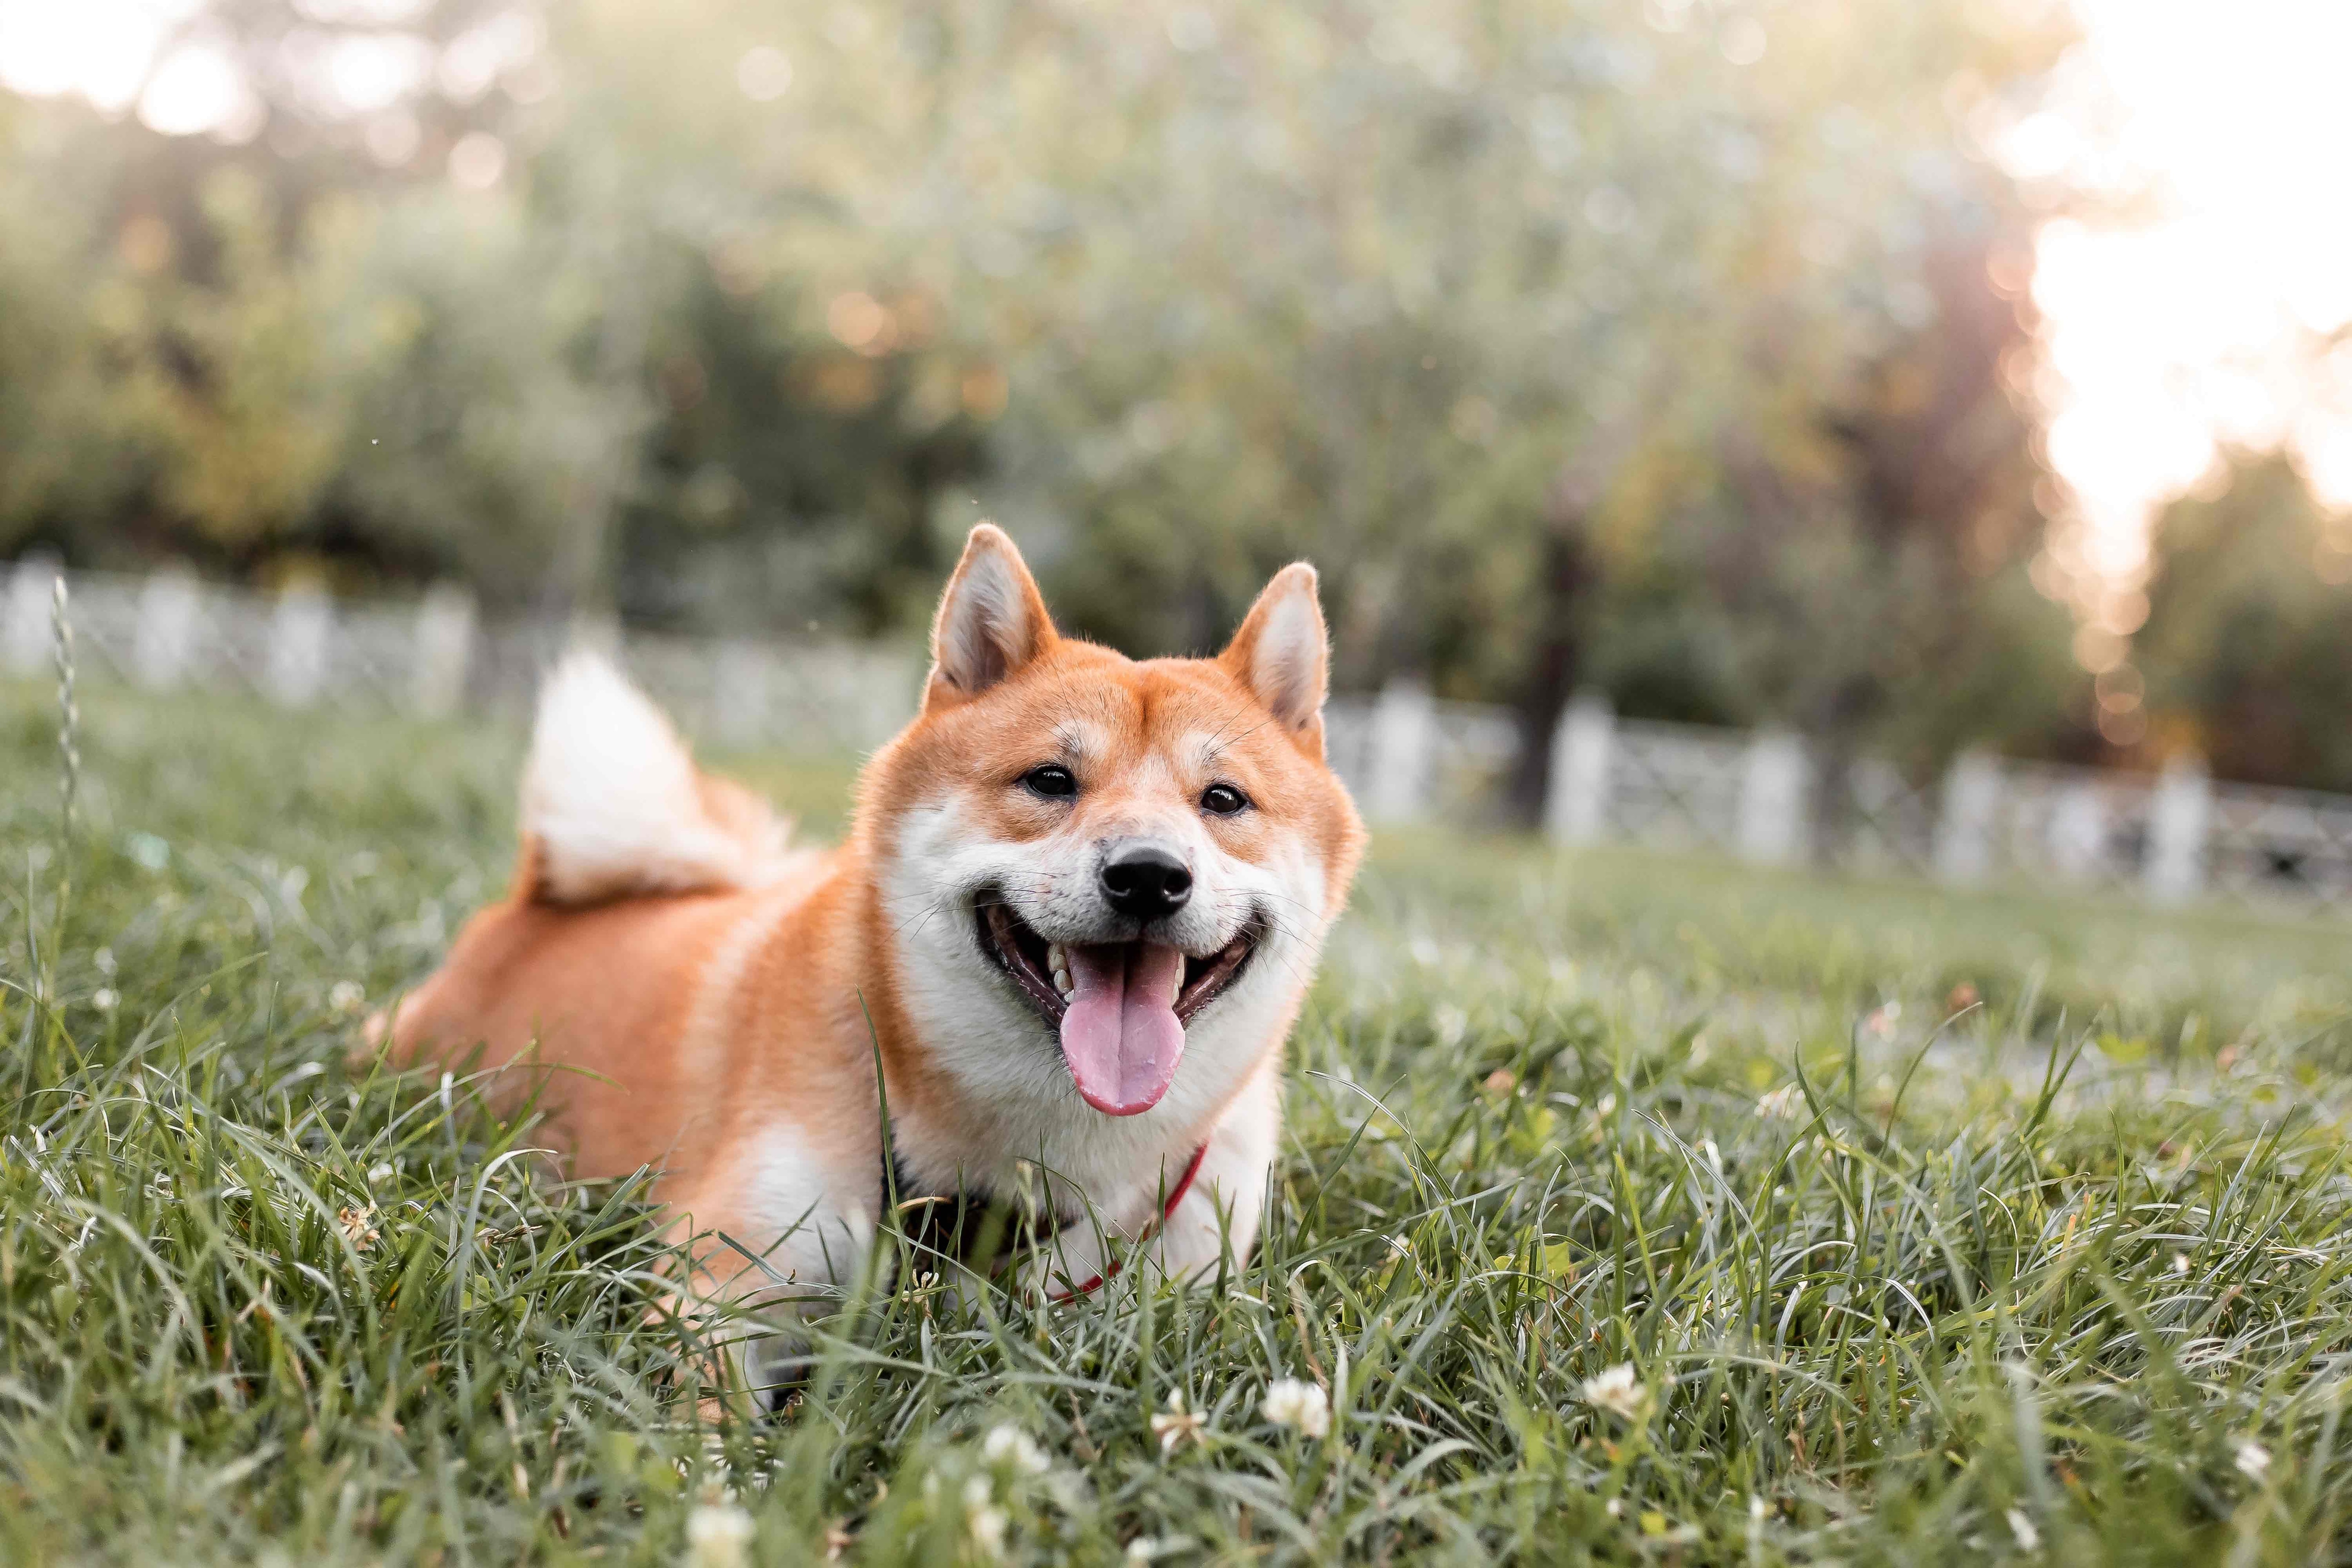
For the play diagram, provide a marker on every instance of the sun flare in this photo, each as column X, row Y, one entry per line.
column 2200, row 317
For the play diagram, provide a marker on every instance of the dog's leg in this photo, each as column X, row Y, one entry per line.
column 751, row 1284
column 1219, row 1216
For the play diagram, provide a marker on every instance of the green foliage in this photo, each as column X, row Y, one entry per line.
column 2246, row 653
column 1541, row 325
column 392, row 382
column 1521, row 319
column 58, row 422
column 255, row 355
column 2061, row 1279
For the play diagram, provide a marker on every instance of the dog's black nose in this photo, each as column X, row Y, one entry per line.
column 1145, row 880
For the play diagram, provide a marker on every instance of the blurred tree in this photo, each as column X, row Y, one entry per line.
column 1534, row 322
column 2247, row 650
column 513, row 321
column 59, row 440
column 1580, row 345
column 1877, row 587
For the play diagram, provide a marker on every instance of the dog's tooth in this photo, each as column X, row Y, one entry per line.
column 1062, row 982
column 1055, row 959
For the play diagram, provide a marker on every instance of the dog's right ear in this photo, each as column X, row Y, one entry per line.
column 992, row 621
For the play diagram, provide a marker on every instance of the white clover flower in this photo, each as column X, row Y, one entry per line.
column 105, row 999
column 1009, row 1445
column 1781, row 1104
column 358, row 1226
column 1068, row 1490
column 2254, row 1460
column 1291, row 1402
column 1617, row 1391
column 988, row 1526
column 986, row 1520
column 2028, row 1538
column 348, row 997
column 1177, row 1425
column 716, row 1534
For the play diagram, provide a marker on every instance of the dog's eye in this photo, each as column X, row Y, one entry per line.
column 1222, row 800
column 1053, row 781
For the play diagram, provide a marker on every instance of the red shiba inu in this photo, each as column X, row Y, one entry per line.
column 1074, row 917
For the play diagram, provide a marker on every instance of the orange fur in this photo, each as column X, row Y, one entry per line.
column 725, row 1033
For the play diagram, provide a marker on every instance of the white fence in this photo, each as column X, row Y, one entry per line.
column 437, row 656
column 2170, row 837
column 1407, row 757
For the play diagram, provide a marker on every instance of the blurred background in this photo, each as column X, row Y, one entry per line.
column 1911, row 378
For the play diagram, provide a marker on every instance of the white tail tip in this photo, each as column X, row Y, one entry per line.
column 614, row 804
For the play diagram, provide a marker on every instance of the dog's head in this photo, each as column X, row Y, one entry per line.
column 1105, row 882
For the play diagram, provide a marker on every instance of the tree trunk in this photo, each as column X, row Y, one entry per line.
column 1556, row 661
column 1835, row 739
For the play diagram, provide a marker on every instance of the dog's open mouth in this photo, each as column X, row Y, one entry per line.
column 1119, row 1008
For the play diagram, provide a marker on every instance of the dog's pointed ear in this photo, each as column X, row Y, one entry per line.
column 992, row 621
column 1282, row 655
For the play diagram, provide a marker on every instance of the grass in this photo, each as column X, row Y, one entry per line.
column 2064, row 1277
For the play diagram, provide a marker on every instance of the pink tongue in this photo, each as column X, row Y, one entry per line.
column 1121, row 1034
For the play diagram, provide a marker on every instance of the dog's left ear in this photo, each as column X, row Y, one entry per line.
column 1281, row 655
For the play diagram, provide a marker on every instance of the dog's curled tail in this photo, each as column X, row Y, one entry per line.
column 612, row 805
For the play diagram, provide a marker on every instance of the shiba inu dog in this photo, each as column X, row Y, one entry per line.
column 1071, row 926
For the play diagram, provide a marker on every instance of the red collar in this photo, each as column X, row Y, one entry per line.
column 944, row 1225
column 1175, row 1196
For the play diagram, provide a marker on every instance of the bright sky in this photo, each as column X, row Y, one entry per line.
column 2188, row 324
column 101, row 49
column 2199, row 318
column 148, row 55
